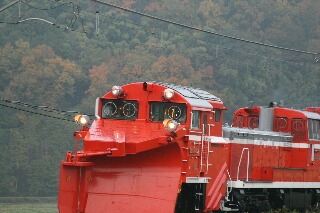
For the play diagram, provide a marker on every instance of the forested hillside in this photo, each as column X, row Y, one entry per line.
column 57, row 56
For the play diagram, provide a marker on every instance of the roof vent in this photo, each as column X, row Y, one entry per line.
column 266, row 118
column 273, row 104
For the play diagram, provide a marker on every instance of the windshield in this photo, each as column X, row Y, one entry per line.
column 119, row 109
column 160, row 111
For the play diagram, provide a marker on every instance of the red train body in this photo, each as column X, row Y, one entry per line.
column 155, row 147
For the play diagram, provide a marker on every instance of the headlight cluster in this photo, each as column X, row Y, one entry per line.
column 117, row 91
column 82, row 120
column 170, row 125
column 168, row 94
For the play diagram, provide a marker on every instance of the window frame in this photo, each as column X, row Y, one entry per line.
column 313, row 129
column 120, row 104
column 159, row 114
column 195, row 115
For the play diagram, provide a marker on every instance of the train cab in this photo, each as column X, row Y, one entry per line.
column 302, row 125
column 275, row 156
column 153, row 143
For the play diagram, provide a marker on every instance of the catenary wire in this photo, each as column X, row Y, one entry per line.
column 42, row 107
column 204, row 31
column 186, row 36
column 191, row 27
column 36, row 113
column 140, row 28
column 190, row 37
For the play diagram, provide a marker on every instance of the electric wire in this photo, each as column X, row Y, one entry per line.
column 40, row 19
column 26, row 107
column 146, row 29
column 204, row 31
column 73, row 20
column 139, row 28
column 36, row 113
column 42, row 107
column 189, row 27
column 221, row 47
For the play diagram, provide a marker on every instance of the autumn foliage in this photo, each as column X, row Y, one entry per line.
column 65, row 68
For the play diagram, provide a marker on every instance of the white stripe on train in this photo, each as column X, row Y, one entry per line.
column 221, row 140
column 274, row 185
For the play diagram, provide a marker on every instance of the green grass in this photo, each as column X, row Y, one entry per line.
column 28, row 208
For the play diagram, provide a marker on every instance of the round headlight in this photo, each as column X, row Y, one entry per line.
column 168, row 94
column 116, row 91
column 170, row 125
column 82, row 120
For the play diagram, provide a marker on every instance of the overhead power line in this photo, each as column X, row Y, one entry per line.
column 36, row 113
column 9, row 5
column 206, row 31
column 76, row 15
column 45, row 110
column 40, row 19
column 162, row 20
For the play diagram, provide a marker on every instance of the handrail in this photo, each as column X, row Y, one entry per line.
column 202, row 140
column 228, row 191
column 247, row 163
column 191, row 118
column 210, row 125
column 208, row 146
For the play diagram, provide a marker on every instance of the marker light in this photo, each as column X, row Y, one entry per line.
column 82, row 120
column 168, row 94
column 116, row 91
column 170, row 125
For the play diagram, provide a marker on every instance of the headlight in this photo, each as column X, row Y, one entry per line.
column 116, row 91
column 170, row 125
column 82, row 120
column 168, row 94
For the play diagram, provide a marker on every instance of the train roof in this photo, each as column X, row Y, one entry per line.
column 196, row 97
column 190, row 92
column 311, row 115
column 235, row 132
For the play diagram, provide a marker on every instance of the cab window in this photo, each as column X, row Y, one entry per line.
column 195, row 124
column 119, row 109
column 217, row 115
column 204, row 124
column 159, row 111
column 314, row 129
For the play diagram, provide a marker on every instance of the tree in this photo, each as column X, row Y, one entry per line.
column 172, row 69
column 47, row 79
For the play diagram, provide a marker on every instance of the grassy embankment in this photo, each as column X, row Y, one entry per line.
column 28, row 205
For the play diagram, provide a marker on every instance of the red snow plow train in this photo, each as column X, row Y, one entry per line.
column 157, row 147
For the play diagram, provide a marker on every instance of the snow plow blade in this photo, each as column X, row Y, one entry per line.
column 143, row 182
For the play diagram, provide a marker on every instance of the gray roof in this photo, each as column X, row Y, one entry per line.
column 191, row 93
column 311, row 115
column 255, row 134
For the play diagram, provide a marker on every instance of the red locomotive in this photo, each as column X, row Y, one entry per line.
column 156, row 147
